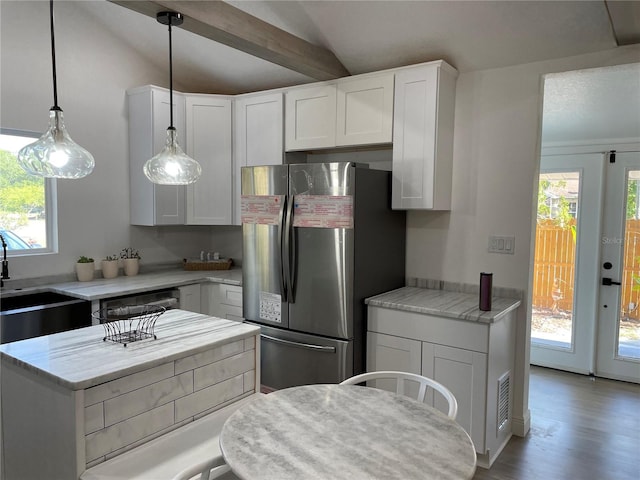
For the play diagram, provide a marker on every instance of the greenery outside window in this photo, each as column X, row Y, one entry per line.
column 27, row 203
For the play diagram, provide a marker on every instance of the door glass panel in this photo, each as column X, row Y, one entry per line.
column 552, row 321
column 629, row 315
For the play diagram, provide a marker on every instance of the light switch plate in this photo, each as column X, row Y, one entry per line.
column 502, row 244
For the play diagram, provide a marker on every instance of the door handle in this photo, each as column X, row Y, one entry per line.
column 281, row 230
column 289, row 248
column 607, row 281
column 308, row 346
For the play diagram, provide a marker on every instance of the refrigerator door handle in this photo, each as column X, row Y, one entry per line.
column 308, row 346
column 282, row 229
column 289, row 249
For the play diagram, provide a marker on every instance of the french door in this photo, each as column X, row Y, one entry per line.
column 618, row 333
column 585, row 312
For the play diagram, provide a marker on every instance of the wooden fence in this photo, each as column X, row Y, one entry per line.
column 554, row 268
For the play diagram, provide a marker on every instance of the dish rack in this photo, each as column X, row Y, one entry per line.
column 128, row 324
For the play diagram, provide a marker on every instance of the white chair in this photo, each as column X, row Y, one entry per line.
column 402, row 378
column 215, row 467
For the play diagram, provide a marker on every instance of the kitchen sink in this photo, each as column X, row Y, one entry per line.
column 32, row 315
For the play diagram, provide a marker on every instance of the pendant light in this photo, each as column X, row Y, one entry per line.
column 171, row 166
column 54, row 154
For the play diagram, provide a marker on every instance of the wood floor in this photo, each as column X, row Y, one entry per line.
column 582, row 428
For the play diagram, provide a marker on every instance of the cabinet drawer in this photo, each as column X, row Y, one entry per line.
column 230, row 312
column 230, row 295
column 440, row 330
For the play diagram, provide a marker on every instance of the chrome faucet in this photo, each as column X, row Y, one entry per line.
column 5, row 263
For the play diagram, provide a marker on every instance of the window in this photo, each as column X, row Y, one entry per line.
column 27, row 202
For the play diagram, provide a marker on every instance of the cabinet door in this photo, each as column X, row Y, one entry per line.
column 386, row 352
column 258, row 137
column 423, row 138
column 190, row 298
column 153, row 204
column 224, row 301
column 364, row 111
column 464, row 372
column 208, row 126
column 310, row 116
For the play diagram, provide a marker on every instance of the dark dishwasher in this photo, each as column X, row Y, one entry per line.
column 32, row 315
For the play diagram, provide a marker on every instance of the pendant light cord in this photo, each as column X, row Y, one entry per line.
column 53, row 60
column 170, row 76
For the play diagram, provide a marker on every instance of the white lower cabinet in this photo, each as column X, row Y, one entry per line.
column 190, row 298
column 474, row 360
column 464, row 372
column 223, row 301
column 393, row 353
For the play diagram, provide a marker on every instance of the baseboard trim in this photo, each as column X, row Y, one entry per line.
column 520, row 426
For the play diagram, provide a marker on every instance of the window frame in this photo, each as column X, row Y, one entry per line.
column 51, row 205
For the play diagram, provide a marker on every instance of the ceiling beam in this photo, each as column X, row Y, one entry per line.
column 625, row 20
column 226, row 24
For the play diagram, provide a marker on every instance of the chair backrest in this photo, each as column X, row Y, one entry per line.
column 402, row 378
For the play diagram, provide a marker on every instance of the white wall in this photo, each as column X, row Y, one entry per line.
column 496, row 160
column 94, row 68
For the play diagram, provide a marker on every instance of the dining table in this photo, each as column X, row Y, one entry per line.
column 344, row 432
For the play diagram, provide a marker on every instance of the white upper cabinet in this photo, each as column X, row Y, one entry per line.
column 311, row 117
column 350, row 111
column 364, row 111
column 410, row 108
column 208, row 132
column 153, row 204
column 423, row 137
column 203, row 124
column 258, row 133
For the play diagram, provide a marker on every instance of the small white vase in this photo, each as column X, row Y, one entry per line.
column 84, row 271
column 109, row 268
column 131, row 266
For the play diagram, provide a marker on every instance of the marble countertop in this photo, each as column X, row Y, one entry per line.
column 144, row 282
column 78, row 359
column 344, row 432
column 443, row 303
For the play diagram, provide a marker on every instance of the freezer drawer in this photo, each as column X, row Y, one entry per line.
column 289, row 358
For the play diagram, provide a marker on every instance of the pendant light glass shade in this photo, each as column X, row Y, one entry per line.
column 55, row 154
column 172, row 166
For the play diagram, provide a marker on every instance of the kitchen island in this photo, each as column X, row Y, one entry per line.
column 71, row 400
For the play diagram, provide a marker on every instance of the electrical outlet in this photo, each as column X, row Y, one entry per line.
column 502, row 244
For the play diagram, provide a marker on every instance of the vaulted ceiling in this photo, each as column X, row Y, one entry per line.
column 361, row 36
column 241, row 45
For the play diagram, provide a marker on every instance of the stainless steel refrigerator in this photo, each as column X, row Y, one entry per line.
column 318, row 238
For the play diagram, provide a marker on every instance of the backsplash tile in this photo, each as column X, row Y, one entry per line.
column 222, row 370
column 133, row 403
column 207, row 357
column 132, row 410
column 462, row 287
column 112, row 389
column 124, row 433
column 93, row 418
column 204, row 399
